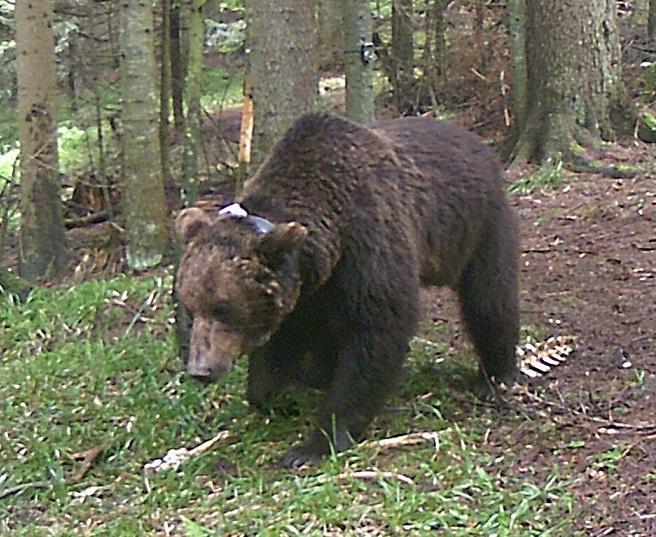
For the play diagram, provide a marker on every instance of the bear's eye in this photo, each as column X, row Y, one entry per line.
column 225, row 313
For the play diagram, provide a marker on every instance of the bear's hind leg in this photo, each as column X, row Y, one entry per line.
column 488, row 295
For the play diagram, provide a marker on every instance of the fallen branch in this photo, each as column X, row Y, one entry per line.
column 87, row 457
column 174, row 458
column 87, row 460
column 411, row 439
column 87, row 220
column 606, row 425
column 372, row 475
column 24, row 486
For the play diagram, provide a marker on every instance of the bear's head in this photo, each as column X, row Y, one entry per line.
column 239, row 277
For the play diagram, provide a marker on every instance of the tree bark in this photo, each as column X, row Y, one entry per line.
column 192, row 100
column 403, row 53
column 517, row 38
column 575, row 94
column 651, row 23
column 165, row 83
column 144, row 203
column 433, row 59
column 177, row 68
column 331, row 34
column 42, row 235
column 281, row 39
column 358, row 68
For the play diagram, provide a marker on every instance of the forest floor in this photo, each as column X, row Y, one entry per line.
column 589, row 271
column 91, row 390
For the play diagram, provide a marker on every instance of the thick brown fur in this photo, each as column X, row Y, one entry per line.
column 383, row 210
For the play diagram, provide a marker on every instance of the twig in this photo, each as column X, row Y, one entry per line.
column 87, row 457
column 646, row 427
column 24, row 486
column 374, row 475
column 175, row 457
column 411, row 439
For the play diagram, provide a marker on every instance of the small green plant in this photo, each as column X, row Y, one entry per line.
column 546, row 177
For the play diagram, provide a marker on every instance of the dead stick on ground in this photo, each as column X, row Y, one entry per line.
column 24, row 486
column 373, row 475
column 411, row 439
column 646, row 427
column 87, row 460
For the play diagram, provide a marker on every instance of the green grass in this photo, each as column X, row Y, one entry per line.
column 222, row 89
column 95, row 365
column 546, row 177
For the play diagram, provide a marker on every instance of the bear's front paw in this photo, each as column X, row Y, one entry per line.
column 311, row 451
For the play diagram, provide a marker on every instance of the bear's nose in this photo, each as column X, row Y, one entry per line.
column 205, row 374
column 204, row 378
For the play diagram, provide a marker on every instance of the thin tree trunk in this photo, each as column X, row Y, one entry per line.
column 517, row 37
column 145, row 207
column 281, row 36
column 403, row 53
column 42, row 234
column 358, row 63
column 177, row 69
column 651, row 23
column 170, row 188
column 433, row 59
column 192, row 100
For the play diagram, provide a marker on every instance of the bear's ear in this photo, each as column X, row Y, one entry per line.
column 281, row 239
column 189, row 222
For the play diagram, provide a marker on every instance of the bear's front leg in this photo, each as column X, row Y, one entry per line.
column 366, row 374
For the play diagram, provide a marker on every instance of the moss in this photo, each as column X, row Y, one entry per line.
column 576, row 149
column 647, row 127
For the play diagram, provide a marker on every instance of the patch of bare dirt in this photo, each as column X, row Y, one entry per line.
column 589, row 271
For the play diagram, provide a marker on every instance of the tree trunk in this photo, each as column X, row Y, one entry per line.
column 403, row 53
column 433, row 59
column 144, row 204
column 170, row 188
column 192, row 100
column 177, row 68
column 575, row 91
column 42, row 236
column 281, row 36
column 358, row 62
column 331, row 34
column 651, row 23
column 517, row 37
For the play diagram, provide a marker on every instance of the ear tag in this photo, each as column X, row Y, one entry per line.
column 235, row 210
column 262, row 225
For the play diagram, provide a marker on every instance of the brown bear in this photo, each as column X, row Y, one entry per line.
column 314, row 271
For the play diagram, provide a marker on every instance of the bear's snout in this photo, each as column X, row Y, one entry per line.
column 212, row 352
column 205, row 374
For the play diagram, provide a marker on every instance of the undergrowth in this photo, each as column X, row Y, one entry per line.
column 94, row 367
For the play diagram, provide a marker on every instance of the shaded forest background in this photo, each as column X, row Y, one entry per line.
column 451, row 60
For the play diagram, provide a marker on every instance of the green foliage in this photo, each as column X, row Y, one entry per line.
column 221, row 89
column 547, row 176
column 8, row 163
column 95, row 365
